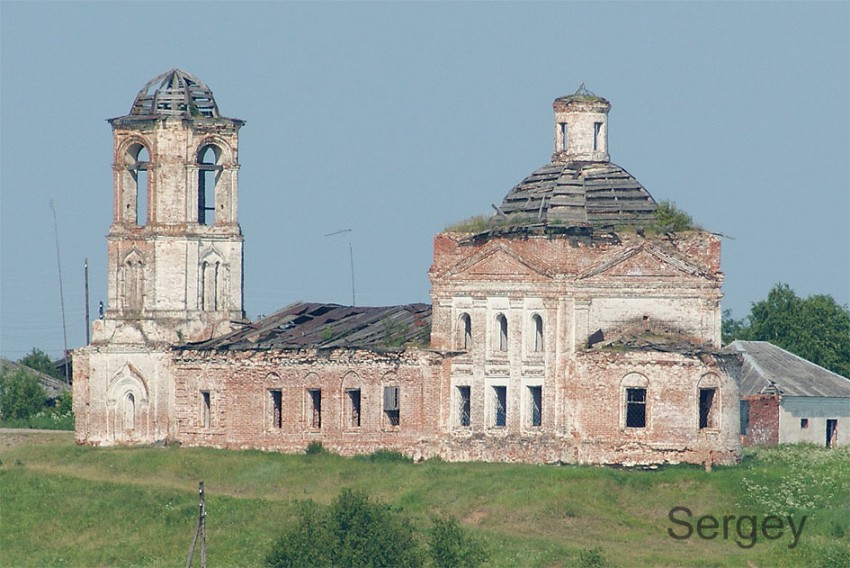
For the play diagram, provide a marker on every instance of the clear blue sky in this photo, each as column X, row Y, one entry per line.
column 396, row 119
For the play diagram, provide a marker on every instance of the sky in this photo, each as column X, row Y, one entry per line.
column 395, row 120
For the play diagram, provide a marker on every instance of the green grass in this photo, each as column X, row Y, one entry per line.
column 65, row 505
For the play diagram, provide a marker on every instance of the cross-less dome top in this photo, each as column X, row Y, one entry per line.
column 580, row 187
column 175, row 93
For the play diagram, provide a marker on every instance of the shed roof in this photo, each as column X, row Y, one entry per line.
column 327, row 326
column 582, row 194
column 769, row 369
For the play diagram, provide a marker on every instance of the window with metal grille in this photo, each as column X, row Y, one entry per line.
column 353, row 407
column 391, row 405
column 707, row 414
column 500, row 406
column 315, row 400
column 636, row 408
column 464, row 405
column 276, row 397
column 535, row 399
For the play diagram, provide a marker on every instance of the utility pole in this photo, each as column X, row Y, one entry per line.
column 200, row 530
column 61, row 293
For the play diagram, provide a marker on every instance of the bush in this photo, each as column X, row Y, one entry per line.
column 386, row 456
column 351, row 531
column 315, row 448
column 668, row 217
column 21, row 395
column 451, row 547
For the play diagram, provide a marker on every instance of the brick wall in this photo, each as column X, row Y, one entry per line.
column 763, row 426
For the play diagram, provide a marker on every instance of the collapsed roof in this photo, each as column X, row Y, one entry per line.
column 327, row 326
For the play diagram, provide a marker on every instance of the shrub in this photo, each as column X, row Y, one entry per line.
column 451, row 547
column 386, row 456
column 352, row 531
column 315, row 448
column 591, row 558
column 668, row 217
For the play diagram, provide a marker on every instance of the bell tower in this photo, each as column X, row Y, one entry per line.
column 175, row 245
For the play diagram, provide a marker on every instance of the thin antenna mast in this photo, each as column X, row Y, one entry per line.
column 61, row 292
column 88, row 321
column 351, row 257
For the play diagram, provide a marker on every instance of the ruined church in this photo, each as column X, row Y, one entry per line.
column 568, row 328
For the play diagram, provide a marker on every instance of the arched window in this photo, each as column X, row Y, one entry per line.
column 137, row 161
column 502, row 325
column 209, row 172
column 129, row 412
column 464, row 332
column 537, row 328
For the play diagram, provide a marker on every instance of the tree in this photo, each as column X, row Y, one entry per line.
column 815, row 328
column 40, row 361
column 352, row 531
column 21, row 395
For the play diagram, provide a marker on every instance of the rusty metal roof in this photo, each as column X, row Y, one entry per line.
column 175, row 93
column 580, row 194
column 327, row 326
column 769, row 369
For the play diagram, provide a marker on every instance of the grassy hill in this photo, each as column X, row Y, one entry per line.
column 64, row 505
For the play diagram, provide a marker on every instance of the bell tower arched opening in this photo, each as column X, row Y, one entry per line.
column 209, row 173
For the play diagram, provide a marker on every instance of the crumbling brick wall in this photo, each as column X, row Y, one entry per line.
column 763, row 424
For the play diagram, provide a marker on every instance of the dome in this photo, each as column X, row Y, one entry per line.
column 175, row 93
column 580, row 194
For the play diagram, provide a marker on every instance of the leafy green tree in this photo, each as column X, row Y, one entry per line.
column 815, row 328
column 452, row 548
column 40, row 361
column 21, row 395
column 352, row 531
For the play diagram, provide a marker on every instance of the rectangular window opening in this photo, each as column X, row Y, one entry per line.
column 563, row 126
column 707, row 413
column 744, row 407
column 831, row 433
column 500, row 408
column 597, row 130
column 277, row 408
column 141, row 197
column 353, row 408
column 205, row 409
column 464, row 405
column 636, row 408
column 391, row 405
column 804, row 423
column 535, row 397
column 315, row 396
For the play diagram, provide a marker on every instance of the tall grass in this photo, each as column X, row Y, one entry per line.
column 138, row 506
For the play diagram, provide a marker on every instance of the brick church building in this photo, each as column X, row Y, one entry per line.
column 566, row 329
